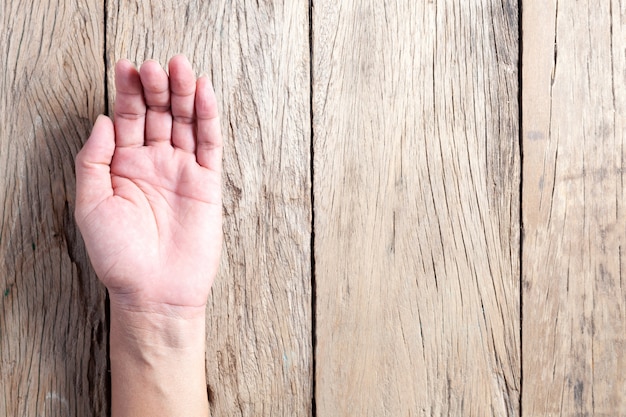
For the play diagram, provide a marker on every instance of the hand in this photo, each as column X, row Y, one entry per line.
column 148, row 190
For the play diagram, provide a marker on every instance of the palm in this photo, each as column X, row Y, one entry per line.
column 154, row 237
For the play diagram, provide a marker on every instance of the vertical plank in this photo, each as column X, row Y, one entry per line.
column 574, row 113
column 416, row 191
column 259, row 348
column 52, row 324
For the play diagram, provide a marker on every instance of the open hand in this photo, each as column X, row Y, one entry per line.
column 148, row 189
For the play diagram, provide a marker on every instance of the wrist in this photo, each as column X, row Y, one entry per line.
column 152, row 326
column 157, row 363
column 165, row 302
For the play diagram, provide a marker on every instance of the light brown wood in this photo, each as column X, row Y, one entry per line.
column 416, row 181
column 259, row 344
column 574, row 113
column 52, row 325
column 416, row 195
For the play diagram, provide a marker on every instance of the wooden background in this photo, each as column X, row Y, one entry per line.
column 424, row 203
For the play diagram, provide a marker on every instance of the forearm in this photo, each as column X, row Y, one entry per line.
column 157, row 364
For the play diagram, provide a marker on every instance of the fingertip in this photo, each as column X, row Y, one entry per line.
column 180, row 59
column 203, row 82
column 127, row 77
column 150, row 65
column 206, row 102
column 123, row 66
column 204, row 78
column 100, row 145
column 153, row 79
column 150, row 61
column 103, row 126
column 103, row 119
column 181, row 73
column 123, row 62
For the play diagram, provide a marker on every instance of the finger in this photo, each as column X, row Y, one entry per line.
column 93, row 174
column 209, row 133
column 183, row 90
column 156, row 91
column 130, row 107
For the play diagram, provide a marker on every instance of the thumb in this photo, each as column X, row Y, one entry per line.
column 93, row 173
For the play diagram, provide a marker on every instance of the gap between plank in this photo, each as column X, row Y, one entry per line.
column 312, row 248
column 520, row 51
column 107, row 303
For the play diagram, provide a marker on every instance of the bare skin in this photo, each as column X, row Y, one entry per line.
column 148, row 204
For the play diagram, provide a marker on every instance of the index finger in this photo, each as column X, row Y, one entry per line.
column 130, row 107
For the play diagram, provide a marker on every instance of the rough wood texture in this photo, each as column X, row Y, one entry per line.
column 574, row 113
column 416, row 163
column 259, row 348
column 52, row 328
column 416, row 208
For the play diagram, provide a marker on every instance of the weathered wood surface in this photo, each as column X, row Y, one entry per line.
column 416, row 180
column 259, row 344
column 574, row 217
column 416, row 195
column 52, row 324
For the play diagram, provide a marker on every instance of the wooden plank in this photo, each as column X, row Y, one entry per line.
column 574, row 298
column 416, row 186
column 52, row 317
column 259, row 345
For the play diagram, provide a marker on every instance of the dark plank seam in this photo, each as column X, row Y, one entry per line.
column 520, row 50
column 312, row 174
column 107, row 305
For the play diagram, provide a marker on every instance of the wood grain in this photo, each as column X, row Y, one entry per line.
column 574, row 113
column 52, row 324
column 416, row 179
column 259, row 346
column 416, row 194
